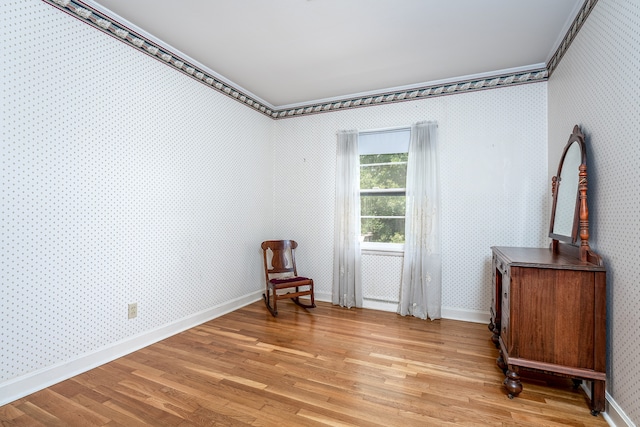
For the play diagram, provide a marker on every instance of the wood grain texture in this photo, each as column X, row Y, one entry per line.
column 326, row 366
column 553, row 316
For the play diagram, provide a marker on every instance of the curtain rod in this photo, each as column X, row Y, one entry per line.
column 389, row 129
column 393, row 128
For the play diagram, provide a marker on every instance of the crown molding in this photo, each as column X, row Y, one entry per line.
column 89, row 13
column 115, row 26
column 420, row 86
column 570, row 35
column 417, row 92
column 119, row 20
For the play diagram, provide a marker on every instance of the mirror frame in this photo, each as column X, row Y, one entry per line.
column 576, row 137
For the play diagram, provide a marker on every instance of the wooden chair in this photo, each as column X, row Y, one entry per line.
column 281, row 275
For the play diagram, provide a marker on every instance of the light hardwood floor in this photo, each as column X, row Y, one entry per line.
column 326, row 366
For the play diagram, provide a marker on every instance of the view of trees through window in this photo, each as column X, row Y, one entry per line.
column 382, row 197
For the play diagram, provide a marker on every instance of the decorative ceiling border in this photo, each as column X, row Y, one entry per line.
column 121, row 32
column 585, row 10
column 418, row 93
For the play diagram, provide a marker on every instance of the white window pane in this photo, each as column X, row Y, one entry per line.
column 384, row 142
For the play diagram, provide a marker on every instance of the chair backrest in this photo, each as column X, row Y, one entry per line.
column 279, row 258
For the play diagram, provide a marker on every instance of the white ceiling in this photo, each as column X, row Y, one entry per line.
column 288, row 53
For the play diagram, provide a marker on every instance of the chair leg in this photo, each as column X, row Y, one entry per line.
column 313, row 300
column 273, row 310
column 275, row 302
column 297, row 299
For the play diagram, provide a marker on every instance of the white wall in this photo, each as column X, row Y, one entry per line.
column 495, row 187
column 597, row 85
column 123, row 180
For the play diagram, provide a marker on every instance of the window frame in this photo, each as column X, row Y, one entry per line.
column 384, row 248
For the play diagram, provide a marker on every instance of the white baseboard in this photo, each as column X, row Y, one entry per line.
column 466, row 315
column 614, row 415
column 446, row 312
column 16, row 388
column 369, row 304
column 380, row 305
column 23, row 386
column 451, row 313
column 323, row 296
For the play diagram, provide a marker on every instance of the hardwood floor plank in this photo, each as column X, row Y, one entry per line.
column 322, row 419
column 102, row 408
column 40, row 415
column 64, row 410
column 322, row 367
column 9, row 412
column 136, row 406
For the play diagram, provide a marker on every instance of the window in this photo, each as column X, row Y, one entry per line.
column 383, row 175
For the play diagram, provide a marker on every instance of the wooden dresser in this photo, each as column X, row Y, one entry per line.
column 548, row 308
column 548, row 314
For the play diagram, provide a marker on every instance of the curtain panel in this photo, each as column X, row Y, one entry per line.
column 347, row 288
column 421, row 286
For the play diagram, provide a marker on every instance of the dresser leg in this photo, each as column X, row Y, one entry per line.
column 512, row 383
column 597, row 397
column 501, row 364
column 495, row 338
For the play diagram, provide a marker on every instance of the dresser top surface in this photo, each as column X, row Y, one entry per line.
column 542, row 258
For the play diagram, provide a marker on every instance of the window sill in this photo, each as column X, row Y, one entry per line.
column 382, row 249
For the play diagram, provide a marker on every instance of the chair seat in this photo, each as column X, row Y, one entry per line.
column 289, row 280
column 282, row 280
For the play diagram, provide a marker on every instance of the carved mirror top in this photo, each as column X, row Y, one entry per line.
column 570, row 214
column 565, row 212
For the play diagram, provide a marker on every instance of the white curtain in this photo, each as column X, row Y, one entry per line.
column 421, row 288
column 347, row 288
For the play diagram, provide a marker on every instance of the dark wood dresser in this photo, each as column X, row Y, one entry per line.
column 548, row 314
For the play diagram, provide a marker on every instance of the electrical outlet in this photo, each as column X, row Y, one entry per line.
column 133, row 310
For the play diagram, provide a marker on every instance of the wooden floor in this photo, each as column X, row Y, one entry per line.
column 326, row 366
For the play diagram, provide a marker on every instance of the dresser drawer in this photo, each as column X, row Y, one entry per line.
column 505, row 325
column 500, row 264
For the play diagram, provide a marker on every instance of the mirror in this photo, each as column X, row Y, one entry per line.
column 565, row 215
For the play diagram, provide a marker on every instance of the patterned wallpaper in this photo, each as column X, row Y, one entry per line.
column 597, row 85
column 495, row 186
column 122, row 181
column 103, row 21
